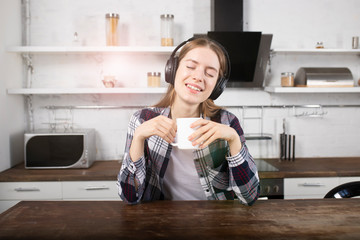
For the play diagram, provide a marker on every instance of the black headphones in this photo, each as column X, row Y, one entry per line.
column 173, row 63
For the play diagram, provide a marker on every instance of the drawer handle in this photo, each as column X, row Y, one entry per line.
column 312, row 184
column 33, row 189
column 90, row 188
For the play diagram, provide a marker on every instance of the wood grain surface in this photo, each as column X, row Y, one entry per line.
column 266, row 219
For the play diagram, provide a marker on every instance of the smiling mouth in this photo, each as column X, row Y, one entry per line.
column 193, row 88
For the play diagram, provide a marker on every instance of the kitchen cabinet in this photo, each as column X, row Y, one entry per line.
column 309, row 188
column 303, row 188
column 14, row 192
column 343, row 180
column 85, row 190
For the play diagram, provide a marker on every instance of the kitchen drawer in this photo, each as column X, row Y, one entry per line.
column 5, row 205
column 343, row 180
column 30, row 191
column 104, row 190
column 308, row 187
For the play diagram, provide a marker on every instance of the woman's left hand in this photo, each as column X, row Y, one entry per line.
column 208, row 131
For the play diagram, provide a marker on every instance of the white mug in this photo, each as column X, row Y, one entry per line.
column 183, row 132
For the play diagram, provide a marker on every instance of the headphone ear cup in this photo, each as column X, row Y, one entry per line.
column 170, row 69
column 219, row 88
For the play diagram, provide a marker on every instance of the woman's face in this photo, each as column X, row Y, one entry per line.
column 197, row 75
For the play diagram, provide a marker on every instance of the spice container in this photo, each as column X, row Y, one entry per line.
column 153, row 79
column 167, row 31
column 355, row 42
column 109, row 81
column 319, row 45
column 287, row 79
column 112, row 25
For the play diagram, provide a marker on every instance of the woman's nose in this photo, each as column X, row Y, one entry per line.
column 198, row 74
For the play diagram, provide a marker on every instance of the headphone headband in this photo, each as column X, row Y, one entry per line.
column 173, row 62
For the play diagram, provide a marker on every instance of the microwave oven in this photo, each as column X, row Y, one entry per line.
column 67, row 149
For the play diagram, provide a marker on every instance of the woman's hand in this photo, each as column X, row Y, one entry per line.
column 208, row 131
column 161, row 126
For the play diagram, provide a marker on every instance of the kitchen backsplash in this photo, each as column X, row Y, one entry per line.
column 54, row 23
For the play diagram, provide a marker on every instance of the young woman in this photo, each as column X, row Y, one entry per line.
column 222, row 168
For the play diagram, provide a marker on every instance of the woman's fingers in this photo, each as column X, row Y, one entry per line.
column 160, row 126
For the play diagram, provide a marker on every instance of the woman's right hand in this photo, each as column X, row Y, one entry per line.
column 161, row 126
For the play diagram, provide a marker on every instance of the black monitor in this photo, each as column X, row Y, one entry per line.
column 249, row 53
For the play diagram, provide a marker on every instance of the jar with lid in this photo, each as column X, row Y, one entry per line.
column 112, row 25
column 153, row 79
column 287, row 79
column 319, row 45
column 167, row 29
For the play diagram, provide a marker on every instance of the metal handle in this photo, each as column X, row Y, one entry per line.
column 89, row 188
column 32, row 189
column 312, row 184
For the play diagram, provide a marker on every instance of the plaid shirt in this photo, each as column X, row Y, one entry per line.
column 222, row 177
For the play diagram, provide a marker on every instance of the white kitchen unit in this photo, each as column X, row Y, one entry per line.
column 90, row 190
column 14, row 192
column 307, row 188
column 304, row 188
column 343, row 180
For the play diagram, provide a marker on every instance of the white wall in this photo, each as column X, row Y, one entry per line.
column 12, row 111
column 294, row 23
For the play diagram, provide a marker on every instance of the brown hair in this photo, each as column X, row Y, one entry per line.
column 208, row 107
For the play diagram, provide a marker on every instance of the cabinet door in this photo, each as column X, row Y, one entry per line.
column 343, row 180
column 30, row 191
column 101, row 190
column 5, row 205
column 302, row 188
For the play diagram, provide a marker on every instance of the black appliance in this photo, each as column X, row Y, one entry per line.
column 249, row 53
column 272, row 188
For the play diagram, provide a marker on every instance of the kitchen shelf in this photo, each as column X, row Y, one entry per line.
column 312, row 89
column 91, row 49
column 161, row 90
column 149, row 49
column 312, row 50
column 52, row 91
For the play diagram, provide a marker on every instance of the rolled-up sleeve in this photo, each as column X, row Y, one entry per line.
column 131, row 178
column 244, row 177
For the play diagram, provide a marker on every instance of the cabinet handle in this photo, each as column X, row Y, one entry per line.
column 32, row 189
column 312, row 184
column 89, row 188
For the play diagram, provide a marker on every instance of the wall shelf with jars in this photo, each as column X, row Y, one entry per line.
column 316, row 51
column 312, row 89
column 90, row 49
column 159, row 50
column 63, row 91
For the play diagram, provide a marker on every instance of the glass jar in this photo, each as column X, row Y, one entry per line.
column 287, row 79
column 112, row 25
column 167, row 29
column 319, row 45
column 153, row 79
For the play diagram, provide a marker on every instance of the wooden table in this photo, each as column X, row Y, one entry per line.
column 267, row 219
